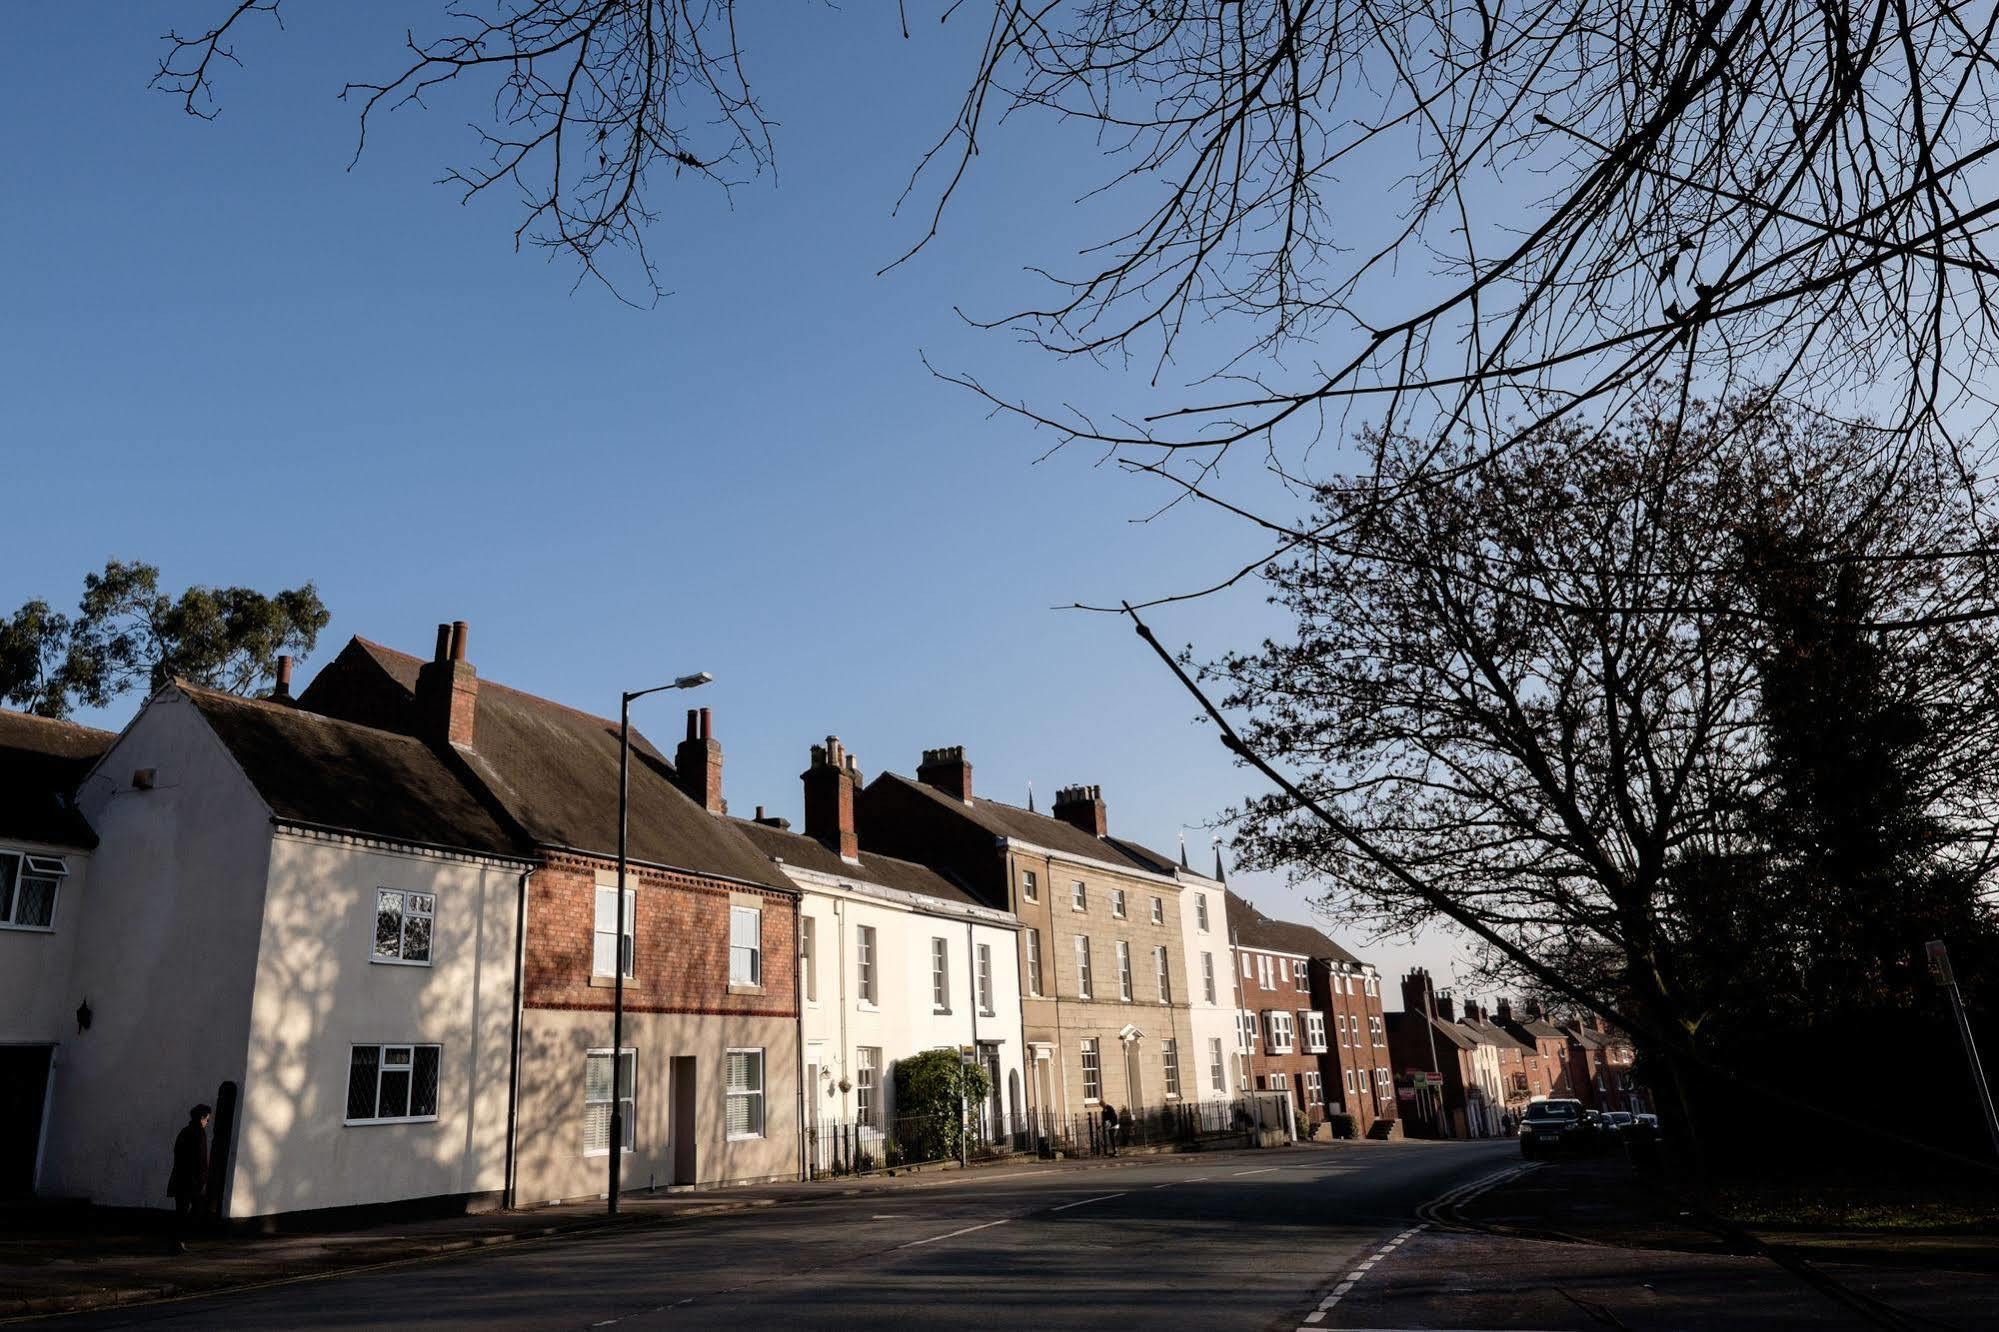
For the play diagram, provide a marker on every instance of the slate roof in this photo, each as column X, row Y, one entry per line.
column 1448, row 1031
column 1253, row 929
column 41, row 763
column 553, row 769
column 337, row 774
column 809, row 853
column 1491, row 1033
column 1024, row 825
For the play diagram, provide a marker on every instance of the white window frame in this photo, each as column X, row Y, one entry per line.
column 1315, row 1089
column 867, row 965
column 1085, row 979
column 1315, row 1032
column 1278, row 1031
column 1218, row 1077
column 1093, row 1070
column 986, row 981
column 1350, row 1086
column 1248, row 966
column 751, row 954
column 628, row 1055
column 808, row 955
column 406, row 911
column 1158, row 911
column 1208, row 978
column 1030, row 886
column 1301, row 976
column 599, row 930
column 1164, row 966
column 756, row 1094
column 1034, row 962
column 1264, row 978
column 1079, row 895
column 1201, row 911
column 1124, row 971
column 16, row 868
column 940, row 974
column 867, row 1085
column 382, row 1068
column 1117, row 903
column 1169, row 1061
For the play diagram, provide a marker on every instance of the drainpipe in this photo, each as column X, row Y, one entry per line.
column 509, row 1197
column 798, row 998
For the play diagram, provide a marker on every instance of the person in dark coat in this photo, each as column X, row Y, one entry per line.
column 1110, row 1127
column 188, row 1184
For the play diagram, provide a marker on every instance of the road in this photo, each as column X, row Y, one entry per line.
column 1226, row 1240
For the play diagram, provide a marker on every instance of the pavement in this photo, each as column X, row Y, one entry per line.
column 1228, row 1240
column 1589, row 1244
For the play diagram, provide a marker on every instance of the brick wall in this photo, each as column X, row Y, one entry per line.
column 680, row 942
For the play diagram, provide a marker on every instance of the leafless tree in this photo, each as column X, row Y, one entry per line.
column 1437, row 214
column 1532, row 696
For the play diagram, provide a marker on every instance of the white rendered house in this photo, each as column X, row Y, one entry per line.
column 1220, row 1055
column 894, row 959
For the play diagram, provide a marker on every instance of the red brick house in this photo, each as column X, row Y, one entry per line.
column 1317, row 1018
column 1436, row 1065
column 709, row 1079
column 1521, row 1077
column 1600, row 1066
column 1550, row 1043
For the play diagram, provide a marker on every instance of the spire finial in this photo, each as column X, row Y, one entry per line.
column 1183, row 850
column 1221, row 870
column 1030, row 796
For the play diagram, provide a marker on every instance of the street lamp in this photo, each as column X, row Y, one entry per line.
column 694, row 681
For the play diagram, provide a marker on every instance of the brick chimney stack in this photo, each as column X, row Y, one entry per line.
column 447, row 690
column 698, row 762
column 1415, row 986
column 947, row 770
column 829, row 798
column 1447, row 1006
column 281, row 691
column 1505, row 1011
column 1082, row 807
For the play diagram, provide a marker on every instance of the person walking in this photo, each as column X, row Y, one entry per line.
column 1110, row 1127
column 188, row 1184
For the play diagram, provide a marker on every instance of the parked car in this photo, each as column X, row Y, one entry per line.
column 1616, row 1121
column 1647, row 1122
column 1554, row 1126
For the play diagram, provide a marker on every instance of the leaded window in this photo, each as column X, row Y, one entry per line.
column 391, row 1083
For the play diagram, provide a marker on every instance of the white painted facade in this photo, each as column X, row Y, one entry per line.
column 217, row 946
column 851, row 927
column 35, row 960
column 1211, row 990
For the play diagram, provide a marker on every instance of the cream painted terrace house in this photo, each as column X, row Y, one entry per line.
column 370, row 927
column 894, row 959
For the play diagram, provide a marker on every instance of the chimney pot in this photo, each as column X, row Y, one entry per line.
column 829, row 799
column 947, row 770
column 447, row 690
column 1082, row 807
column 283, row 689
column 698, row 762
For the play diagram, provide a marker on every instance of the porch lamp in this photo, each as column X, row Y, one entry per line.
column 693, row 681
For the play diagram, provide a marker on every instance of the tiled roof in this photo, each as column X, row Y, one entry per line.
column 1491, row 1033
column 1253, row 929
column 1023, row 825
column 552, row 768
column 337, row 774
column 1449, row 1032
column 41, row 762
column 809, row 853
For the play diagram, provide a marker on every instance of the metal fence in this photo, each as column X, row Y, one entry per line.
column 835, row 1147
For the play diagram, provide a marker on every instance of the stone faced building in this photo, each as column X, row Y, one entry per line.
column 1102, row 955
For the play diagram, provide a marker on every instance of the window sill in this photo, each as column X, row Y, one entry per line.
column 28, row 929
column 403, row 1119
column 611, row 983
column 603, row 1152
column 745, row 989
column 867, row 1006
column 745, row 1137
column 399, row 962
column 940, row 1012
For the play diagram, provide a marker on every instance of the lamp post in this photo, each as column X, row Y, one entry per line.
column 694, row 681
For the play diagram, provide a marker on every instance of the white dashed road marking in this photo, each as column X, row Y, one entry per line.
column 1086, row 1202
column 1353, row 1278
column 955, row 1233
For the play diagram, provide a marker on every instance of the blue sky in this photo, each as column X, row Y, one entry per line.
column 229, row 355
